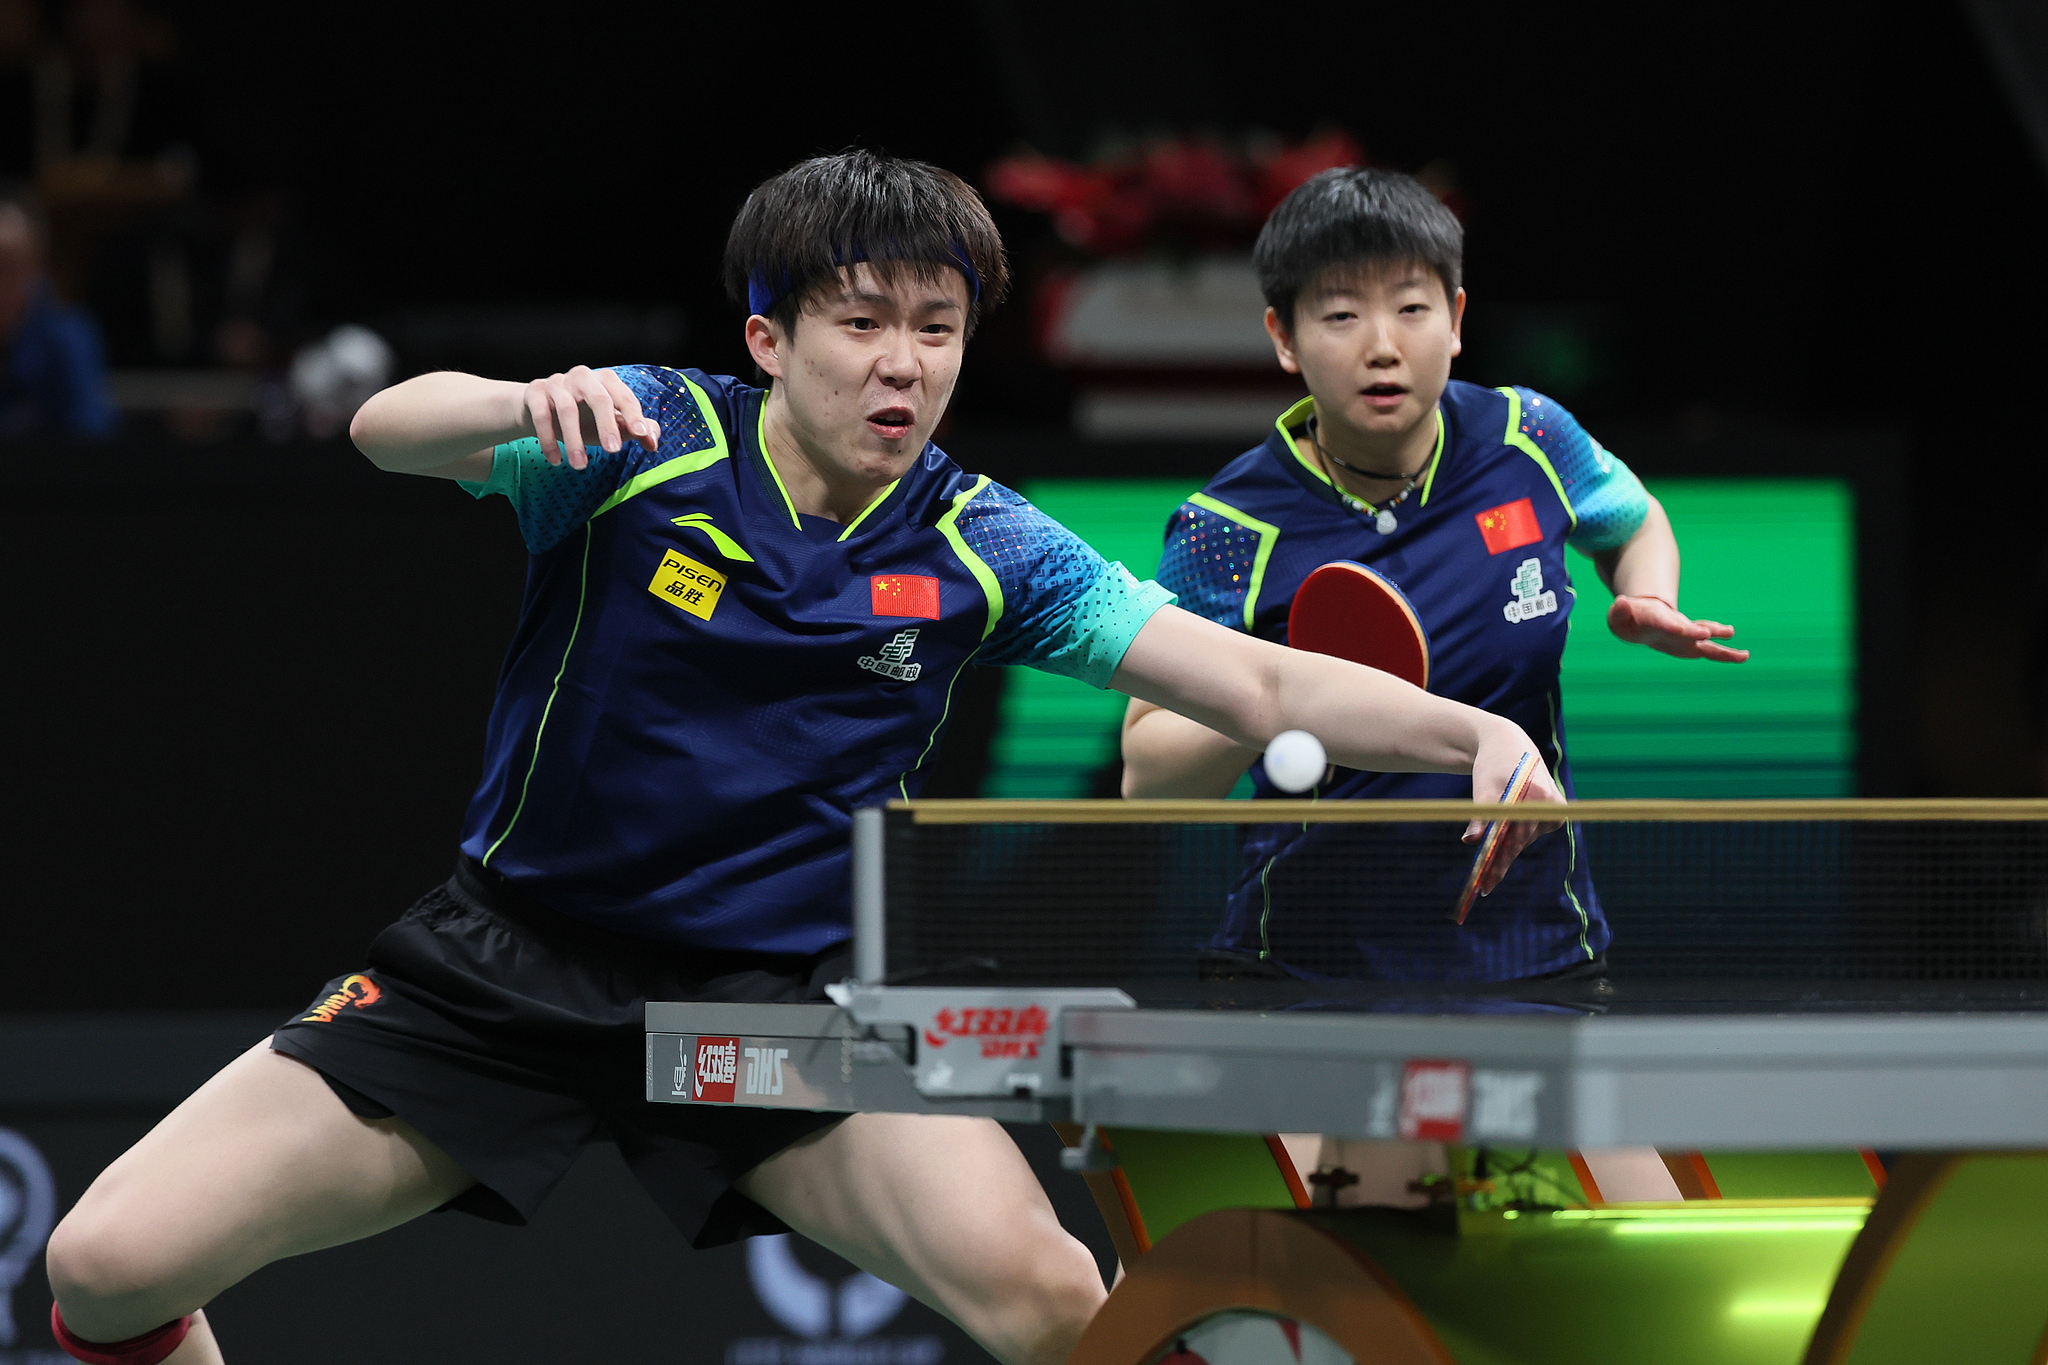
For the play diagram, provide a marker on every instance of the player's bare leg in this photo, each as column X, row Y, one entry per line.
column 948, row 1210
column 198, row 1347
column 262, row 1162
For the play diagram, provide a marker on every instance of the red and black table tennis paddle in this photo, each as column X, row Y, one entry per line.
column 1348, row 611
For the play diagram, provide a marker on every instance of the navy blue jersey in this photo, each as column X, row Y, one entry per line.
column 705, row 684
column 1478, row 549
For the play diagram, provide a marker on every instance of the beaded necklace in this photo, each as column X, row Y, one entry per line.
column 1383, row 520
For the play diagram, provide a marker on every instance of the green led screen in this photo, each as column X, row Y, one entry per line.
column 1774, row 557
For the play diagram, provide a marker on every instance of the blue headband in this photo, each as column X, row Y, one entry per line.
column 761, row 299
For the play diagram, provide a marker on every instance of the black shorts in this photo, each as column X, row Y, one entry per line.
column 511, row 1036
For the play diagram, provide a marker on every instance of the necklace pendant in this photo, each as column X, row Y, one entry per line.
column 1384, row 523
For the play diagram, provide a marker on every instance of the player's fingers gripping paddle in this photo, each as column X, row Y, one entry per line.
column 1501, row 840
column 1483, row 873
column 1348, row 611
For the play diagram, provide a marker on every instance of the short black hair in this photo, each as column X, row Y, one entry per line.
column 1355, row 218
column 798, row 229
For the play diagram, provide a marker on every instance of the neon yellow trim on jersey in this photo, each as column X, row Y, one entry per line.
column 1266, row 910
column 1303, row 409
column 761, row 440
column 582, row 594
column 1571, row 834
column 1528, row 447
column 903, row 779
column 1298, row 414
column 880, row 498
column 727, row 546
column 681, row 464
column 1268, row 534
column 949, row 527
column 1436, row 457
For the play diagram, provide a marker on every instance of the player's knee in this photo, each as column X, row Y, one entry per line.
column 96, row 1272
column 1065, row 1290
column 1029, row 1304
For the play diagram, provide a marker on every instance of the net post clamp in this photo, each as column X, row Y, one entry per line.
column 980, row 1042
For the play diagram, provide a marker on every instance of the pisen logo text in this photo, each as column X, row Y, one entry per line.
column 684, row 583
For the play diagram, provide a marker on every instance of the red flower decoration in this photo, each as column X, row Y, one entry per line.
column 1195, row 193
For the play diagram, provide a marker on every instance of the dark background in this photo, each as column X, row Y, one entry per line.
column 246, row 681
column 1823, row 208
column 1801, row 209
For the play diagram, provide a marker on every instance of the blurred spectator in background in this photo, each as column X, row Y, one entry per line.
column 52, row 378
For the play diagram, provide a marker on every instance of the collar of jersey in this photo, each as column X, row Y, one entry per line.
column 1322, row 487
column 763, row 461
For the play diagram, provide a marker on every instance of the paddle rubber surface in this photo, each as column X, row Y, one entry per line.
column 1348, row 611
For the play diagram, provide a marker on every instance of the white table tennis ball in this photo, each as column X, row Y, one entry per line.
column 1295, row 760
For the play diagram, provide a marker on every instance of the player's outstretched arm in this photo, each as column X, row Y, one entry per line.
column 445, row 424
column 1168, row 755
column 1248, row 691
column 1643, row 575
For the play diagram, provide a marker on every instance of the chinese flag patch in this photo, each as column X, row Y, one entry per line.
column 1509, row 526
column 910, row 594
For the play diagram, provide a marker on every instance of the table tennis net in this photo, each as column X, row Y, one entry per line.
column 1838, row 902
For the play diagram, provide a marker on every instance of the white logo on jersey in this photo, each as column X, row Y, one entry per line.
column 894, row 661
column 1531, row 600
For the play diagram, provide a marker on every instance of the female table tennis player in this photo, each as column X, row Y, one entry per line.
column 1464, row 499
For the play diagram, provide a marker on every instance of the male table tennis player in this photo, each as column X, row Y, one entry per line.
column 744, row 614
column 1464, row 498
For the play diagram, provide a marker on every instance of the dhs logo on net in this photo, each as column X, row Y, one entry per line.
column 830, row 1321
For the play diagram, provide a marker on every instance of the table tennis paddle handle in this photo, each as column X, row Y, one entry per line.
column 1489, row 842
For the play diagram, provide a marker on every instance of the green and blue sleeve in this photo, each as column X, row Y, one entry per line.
column 1063, row 608
column 552, row 500
column 1607, row 498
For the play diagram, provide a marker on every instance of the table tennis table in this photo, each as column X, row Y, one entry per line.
column 1758, row 1081
column 1908, row 1219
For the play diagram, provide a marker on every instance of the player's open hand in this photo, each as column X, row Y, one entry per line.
column 1497, row 765
column 585, row 407
column 1654, row 622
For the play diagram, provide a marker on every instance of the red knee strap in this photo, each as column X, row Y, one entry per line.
column 147, row 1349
